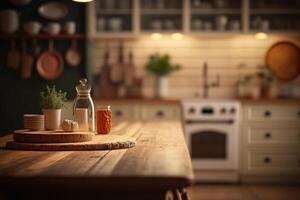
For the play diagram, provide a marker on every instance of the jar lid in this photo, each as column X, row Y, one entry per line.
column 83, row 87
column 103, row 107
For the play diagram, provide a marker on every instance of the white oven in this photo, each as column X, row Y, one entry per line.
column 211, row 132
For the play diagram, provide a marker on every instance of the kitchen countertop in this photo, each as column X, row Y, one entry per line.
column 177, row 101
column 159, row 162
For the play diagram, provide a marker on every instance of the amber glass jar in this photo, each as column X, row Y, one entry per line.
column 103, row 118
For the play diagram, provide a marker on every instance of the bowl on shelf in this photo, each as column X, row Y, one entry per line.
column 32, row 28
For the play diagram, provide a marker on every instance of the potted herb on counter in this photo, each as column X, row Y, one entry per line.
column 52, row 102
column 160, row 66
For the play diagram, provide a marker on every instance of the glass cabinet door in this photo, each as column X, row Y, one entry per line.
column 216, row 15
column 161, row 15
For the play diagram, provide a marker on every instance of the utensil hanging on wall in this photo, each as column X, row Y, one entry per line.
column 50, row 63
column 13, row 56
column 26, row 62
column 72, row 55
column 284, row 59
column 36, row 49
column 129, row 70
column 117, row 69
column 106, row 89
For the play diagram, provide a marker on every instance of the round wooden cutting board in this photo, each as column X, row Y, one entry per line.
column 98, row 142
column 27, row 136
column 284, row 59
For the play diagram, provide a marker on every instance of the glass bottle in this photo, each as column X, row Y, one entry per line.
column 83, row 107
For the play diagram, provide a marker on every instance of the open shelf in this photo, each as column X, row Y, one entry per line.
column 215, row 11
column 161, row 11
column 78, row 36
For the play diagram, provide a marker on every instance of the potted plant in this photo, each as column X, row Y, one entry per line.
column 52, row 102
column 160, row 66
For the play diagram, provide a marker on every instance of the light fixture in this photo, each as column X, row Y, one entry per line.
column 177, row 36
column 83, row 1
column 155, row 36
column 261, row 36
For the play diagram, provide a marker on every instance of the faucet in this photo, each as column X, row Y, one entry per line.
column 206, row 84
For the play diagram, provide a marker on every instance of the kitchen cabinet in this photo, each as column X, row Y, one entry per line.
column 135, row 109
column 135, row 17
column 270, row 143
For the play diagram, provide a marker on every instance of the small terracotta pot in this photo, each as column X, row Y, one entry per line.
column 52, row 119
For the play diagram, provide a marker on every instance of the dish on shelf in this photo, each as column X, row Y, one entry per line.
column 284, row 59
column 50, row 64
column 53, row 10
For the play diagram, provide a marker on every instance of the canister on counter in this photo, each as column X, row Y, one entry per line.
column 103, row 118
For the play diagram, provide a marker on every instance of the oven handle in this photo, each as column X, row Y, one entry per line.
column 229, row 121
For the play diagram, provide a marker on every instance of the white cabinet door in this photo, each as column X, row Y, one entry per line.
column 167, row 112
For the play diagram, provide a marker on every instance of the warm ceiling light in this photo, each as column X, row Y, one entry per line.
column 156, row 36
column 177, row 36
column 261, row 36
column 83, row 1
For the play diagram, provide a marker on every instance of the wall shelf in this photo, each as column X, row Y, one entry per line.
column 78, row 36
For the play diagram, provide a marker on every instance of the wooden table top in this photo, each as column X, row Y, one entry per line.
column 159, row 160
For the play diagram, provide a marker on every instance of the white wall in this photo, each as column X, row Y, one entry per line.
column 223, row 54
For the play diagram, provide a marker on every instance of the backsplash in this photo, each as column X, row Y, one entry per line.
column 224, row 55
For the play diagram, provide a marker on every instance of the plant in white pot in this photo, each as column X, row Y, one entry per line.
column 52, row 102
column 160, row 66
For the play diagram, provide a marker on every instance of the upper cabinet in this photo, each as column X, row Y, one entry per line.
column 215, row 16
column 161, row 15
column 129, row 18
column 108, row 18
column 274, row 15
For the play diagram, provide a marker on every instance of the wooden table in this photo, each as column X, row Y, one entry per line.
column 158, row 163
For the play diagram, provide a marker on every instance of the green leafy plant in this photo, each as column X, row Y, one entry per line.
column 52, row 99
column 160, row 65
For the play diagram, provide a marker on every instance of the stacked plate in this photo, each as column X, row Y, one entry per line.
column 34, row 122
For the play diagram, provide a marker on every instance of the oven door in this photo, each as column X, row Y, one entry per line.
column 212, row 145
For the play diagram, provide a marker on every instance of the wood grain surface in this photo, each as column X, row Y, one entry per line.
column 51, row 136
column 98, row 142
column 159, row 161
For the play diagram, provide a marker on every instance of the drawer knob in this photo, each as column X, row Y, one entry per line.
column 119, row 113
column 267, row 160
column 267, row 113
column 268, row 135
column 160, row 113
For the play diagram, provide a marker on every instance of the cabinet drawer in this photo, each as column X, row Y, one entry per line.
column 272, row 161
column 272, row 113
column 150, row 112
column 124, row 112
column 272, row 136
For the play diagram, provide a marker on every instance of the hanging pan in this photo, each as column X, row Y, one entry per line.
column 50, row 63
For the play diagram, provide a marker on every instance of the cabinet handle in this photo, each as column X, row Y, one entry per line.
column 268, row 135
column 119, row 113
column 267, row 160
column 160, row 113
column 267, row 113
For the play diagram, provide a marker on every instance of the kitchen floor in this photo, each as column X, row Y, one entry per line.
column 244, row 192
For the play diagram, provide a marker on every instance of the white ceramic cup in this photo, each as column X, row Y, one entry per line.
column 53, row 28
column 207, row 25
column 234, row 25
column 221, row 22
column 9, row 21
column 197, row 24
column 70, row 27
column 32, row 27
column 156, row 25
column 101, row 23
column 115, row 24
